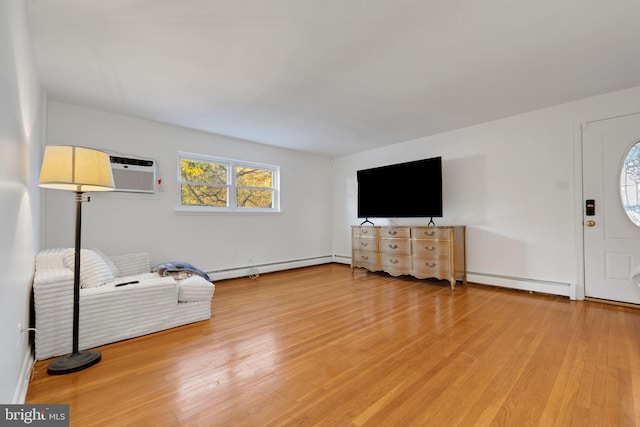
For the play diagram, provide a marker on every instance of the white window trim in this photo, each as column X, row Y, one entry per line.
column 231, row 186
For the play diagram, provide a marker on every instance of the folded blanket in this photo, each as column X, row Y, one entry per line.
column 179, row 270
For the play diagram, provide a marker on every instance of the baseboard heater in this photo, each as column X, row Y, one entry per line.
column 532, row 285
column 525, row 284
column 253, row 269
column 342, row 259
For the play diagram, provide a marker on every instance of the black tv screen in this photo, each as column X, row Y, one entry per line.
column 411, row 189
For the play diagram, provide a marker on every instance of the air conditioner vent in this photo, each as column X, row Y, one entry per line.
column 134, row 175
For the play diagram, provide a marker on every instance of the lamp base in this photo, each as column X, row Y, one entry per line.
column 74, row 362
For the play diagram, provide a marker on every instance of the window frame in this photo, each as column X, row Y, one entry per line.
column 231, row 185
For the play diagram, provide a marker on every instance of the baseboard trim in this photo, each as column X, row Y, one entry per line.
column 254, row 270
column 611, row 302
column 532, row 285
column 23, row 381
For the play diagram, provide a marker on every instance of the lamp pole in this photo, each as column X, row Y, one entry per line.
column 77, row 360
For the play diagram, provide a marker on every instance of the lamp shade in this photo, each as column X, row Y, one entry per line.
column 81, row 169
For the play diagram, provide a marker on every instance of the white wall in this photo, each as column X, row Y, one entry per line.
column 20, row 151
column 119, row 224
column 512, row 182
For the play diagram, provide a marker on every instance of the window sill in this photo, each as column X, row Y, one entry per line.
column 181, row 210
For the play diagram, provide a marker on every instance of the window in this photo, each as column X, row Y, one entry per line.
column 208, row 183
column 630, row 184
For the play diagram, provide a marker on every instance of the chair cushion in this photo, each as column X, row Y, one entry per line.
column 94, row 271
column 107, row 261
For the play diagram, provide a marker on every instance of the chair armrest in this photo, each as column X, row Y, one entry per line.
column 53, row 305
column 50, row 268
column 131, row 264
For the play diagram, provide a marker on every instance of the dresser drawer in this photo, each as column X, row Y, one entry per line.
column 365, row 231
column 430, row 233
column 430, row 248
column 396, row 264
column 370, row 260
column 395, row 232
column 362, row 243
column 395, row 246
column 424, row 268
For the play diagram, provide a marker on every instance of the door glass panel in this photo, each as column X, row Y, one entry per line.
column 629, row 184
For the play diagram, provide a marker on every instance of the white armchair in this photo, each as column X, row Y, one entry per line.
column 108, row 312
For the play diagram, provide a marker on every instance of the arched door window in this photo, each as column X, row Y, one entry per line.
column 630, row 184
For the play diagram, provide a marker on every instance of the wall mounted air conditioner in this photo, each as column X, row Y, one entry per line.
column 133, row 175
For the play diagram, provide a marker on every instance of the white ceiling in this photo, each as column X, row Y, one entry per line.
column 332, row 77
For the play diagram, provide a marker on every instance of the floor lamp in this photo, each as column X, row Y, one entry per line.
column 76, row 169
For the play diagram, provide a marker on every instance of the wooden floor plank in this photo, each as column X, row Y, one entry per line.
column 329, row 346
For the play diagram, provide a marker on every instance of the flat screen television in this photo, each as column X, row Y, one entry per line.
column 404, row 190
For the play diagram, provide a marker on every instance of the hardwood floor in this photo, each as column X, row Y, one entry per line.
column 323, row 346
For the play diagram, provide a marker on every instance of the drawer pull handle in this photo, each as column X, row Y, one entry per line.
column 393, row 232
column 394, row 261
column 430, row 265
column 365, row 244
column 365, row 257
column 430, row 248
column 365, row 231
column 393, row 246
column 429, row 233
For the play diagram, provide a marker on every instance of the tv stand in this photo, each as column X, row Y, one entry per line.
column 366, row 221
column 422, row 252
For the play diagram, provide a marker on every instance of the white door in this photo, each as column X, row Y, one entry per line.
column 611, row 238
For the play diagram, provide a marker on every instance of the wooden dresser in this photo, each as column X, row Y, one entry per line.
column 422, row 252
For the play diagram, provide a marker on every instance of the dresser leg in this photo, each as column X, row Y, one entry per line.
column 453, row 283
